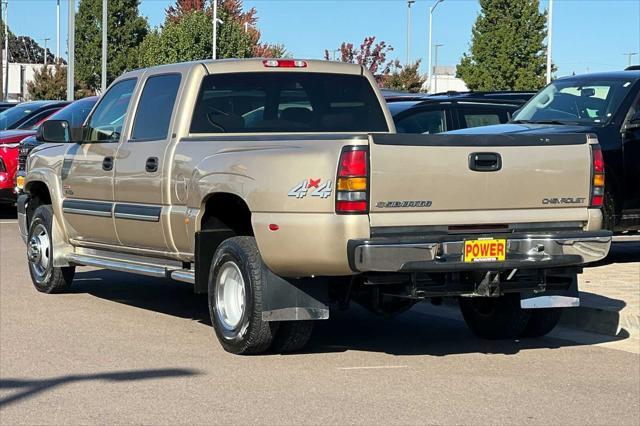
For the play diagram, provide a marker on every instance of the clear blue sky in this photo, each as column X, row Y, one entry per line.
column 589, row 35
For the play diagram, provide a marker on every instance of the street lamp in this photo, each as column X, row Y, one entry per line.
column 629, row 56
column 431, row 9
column 435, row 66
column 46, row 40
column 71, row 37
column 550, row 39
column 409, row 3
column 105, row 23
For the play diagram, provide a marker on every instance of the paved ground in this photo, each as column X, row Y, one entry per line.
column 128, row 349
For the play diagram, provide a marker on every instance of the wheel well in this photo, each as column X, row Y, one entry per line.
column 40, row 195
column 227, row 211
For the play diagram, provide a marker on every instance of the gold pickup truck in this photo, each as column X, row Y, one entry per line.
column 280, row 189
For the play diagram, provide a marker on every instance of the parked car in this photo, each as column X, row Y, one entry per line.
column 606, row 105
column 419, row 113
column 6, row 105
column 28, row 114
column 313, row 200
column 10, row 140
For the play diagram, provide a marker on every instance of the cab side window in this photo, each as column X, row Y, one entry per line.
column 107, row 120
column 155, row 107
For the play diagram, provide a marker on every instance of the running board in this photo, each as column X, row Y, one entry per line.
column 133, row 264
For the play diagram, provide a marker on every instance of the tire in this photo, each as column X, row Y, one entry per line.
column 292, row 336
column 542, row 321
column 495, row 318
column 45, row 277
column 236, row 281
column 608, row 211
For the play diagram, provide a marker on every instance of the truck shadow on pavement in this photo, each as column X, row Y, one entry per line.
column 627, row 252
column 29, row 388
column 425, row 330
column 8, row 213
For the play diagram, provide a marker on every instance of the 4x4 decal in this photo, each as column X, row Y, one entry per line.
column 316, row 187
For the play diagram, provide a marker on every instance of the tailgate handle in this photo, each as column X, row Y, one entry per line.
column 485, row 161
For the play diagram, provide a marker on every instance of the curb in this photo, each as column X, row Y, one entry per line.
column 601, row 321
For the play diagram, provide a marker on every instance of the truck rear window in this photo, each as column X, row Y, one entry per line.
column 286, row 102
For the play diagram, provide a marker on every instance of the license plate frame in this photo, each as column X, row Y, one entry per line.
column 485, row 250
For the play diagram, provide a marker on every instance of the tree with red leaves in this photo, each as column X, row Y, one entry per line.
column 371, row 55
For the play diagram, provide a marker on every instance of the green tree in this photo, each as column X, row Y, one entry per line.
column 126, row 30
column 186, row 34
column 507, row 47
column 50, row 82
column 406, row 78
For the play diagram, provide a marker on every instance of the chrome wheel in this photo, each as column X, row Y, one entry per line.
column 39, row 251
column 230, row 298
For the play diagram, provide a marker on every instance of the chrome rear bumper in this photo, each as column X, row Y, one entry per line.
column 445, row 253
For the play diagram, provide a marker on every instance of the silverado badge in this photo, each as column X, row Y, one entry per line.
column 317, row 187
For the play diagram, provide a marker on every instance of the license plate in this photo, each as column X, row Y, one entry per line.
column 485, row 250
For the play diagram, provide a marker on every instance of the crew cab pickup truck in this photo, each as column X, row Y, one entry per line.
column 280, row 189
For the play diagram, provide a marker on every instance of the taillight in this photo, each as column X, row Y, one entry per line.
column 597, row 173
column 352, row 181
column 284, row 63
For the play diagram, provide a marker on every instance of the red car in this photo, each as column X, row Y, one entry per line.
column 74, row 113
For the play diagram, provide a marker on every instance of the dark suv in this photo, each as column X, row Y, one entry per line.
column 608, row 106
column 441, row 112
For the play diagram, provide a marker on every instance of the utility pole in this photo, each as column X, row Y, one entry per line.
column 71, row 48
column 409, row 3
column 6, row 48
column 215, row 29
column 57, row 30
column 105, row 24
column 431, row 9
column 435, row 75
column 549, row 39
column 46, row 40
column 629, row 55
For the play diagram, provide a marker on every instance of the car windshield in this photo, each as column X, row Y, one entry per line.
column 575, row 101
column 13, row 115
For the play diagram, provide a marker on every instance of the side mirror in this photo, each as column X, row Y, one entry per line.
column 634, row 122
column 56, row 131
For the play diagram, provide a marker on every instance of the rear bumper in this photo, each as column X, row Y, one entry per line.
column 445, row 253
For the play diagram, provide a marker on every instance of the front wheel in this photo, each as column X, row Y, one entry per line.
column 236, row 283
column 45, row 277
column 495, row 318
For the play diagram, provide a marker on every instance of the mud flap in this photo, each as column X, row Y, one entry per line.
column 569, row 298
column 294, row 300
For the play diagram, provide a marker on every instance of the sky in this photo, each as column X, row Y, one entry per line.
column 588, row 35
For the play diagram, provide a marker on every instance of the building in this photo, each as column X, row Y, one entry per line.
column 444, row 80
column 19, row 76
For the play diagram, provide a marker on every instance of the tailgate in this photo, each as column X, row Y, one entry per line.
column 478, row 179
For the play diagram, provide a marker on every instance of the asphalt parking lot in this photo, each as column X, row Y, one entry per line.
column 126, row 349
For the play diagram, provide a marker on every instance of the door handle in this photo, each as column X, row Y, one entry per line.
column 485, row 161
column 107, row 164
column 152, row 165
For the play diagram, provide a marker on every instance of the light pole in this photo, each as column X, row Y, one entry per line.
column 6, row 48
column 550, row 39
column 71, row 48
column 57, row 30
column 105, row 25
column 409, row 3
column 215, row 29
column 435, row 75
column 431, row 9
column 46, row 40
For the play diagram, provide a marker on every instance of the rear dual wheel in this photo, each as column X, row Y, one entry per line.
column 503, row 318
column 236, row 285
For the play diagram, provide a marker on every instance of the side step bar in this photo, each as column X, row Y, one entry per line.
column 149, row 268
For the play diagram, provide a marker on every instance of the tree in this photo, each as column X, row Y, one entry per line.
column 126, row 30
column 186, row 34
column 50, row 82
column 507, row 47
column 406, row 78
column 371, row 56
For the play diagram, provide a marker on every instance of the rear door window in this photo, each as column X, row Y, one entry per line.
column 478, row 117
column 429, row 121
column 155, row 107
column 287, row 102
